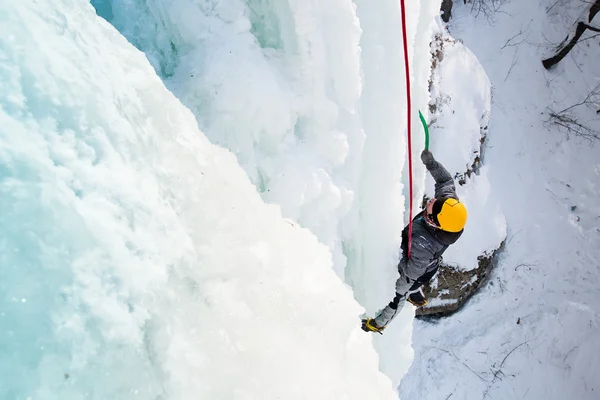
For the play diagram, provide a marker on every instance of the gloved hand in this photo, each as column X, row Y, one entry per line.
column 369, row 325
column 427, row 157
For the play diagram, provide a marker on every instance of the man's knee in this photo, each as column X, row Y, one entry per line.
column 403, row 283
column 394, row 303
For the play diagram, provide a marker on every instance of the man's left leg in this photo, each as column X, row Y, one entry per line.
column 415, row 293
column 390, row 311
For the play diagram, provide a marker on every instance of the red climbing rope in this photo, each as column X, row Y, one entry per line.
column 408, row 113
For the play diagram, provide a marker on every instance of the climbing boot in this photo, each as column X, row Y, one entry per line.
column 417, row 298
column 369, row 325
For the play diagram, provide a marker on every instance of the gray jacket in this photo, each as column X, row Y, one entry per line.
column 428, row 243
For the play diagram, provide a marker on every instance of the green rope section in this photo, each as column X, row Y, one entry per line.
column 426, row 130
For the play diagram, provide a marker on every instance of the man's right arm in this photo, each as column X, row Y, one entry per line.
column 444, row 184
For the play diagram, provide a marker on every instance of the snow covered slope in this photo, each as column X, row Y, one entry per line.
column 137, row 259
column 534, row 332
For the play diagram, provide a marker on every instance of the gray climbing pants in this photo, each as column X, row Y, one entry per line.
column 385, row 316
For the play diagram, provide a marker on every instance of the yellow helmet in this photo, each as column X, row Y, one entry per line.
column 453, row 216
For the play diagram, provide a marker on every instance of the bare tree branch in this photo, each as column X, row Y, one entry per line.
column 552, row 6
column 508, row 44
column 572, row 126
column 486, row 7
column 594, row 92
column 569, row 119
column 588, row 38
column 580, row 27
column 592, row 28
column 513, row 63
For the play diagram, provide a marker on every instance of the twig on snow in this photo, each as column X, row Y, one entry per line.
column 552, row 6
column 593, row 93
column 525, row 265
column 499, row 372
column 508, row 44
column 569, row 121
column 514, row 62
column 461, row 361
column 510, row 352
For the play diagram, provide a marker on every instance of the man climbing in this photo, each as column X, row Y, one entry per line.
column 435, row 228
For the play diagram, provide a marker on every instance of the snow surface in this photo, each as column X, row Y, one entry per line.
column 534, row 331
column 156, row 253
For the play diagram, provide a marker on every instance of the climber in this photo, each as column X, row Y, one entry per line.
column 435, row 228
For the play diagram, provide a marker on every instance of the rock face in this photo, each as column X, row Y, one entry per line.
column 446, row 10
column 452, row 287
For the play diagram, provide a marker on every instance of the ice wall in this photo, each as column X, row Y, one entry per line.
column 276, row 82
column 310, row 97
column 137, row 259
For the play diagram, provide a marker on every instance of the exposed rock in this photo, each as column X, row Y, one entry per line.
column 474, row 169
column 446, row 10
column 453, row 288
column 440, row 102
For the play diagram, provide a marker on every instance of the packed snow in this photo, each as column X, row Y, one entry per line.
column 201, row 199
column 534, row 330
